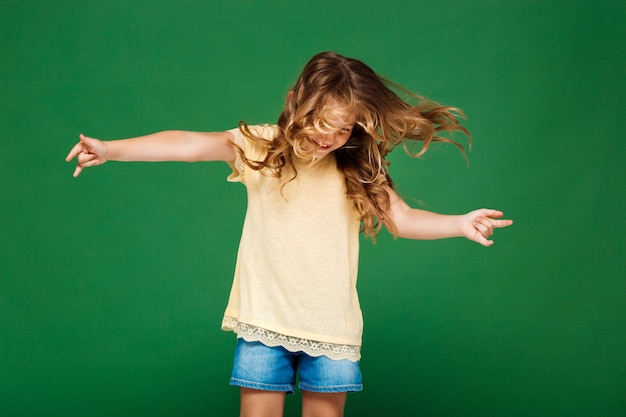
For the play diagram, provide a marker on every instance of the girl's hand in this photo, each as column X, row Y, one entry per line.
column 479, row 225
column 89, row 152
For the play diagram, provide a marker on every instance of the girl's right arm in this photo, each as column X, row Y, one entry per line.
column 411, row 223
column 171, row 145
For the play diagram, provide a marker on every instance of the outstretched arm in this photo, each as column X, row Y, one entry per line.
column 411, row 223
column 171, row 145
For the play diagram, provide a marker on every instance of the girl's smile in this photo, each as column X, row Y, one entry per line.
column 340, row 132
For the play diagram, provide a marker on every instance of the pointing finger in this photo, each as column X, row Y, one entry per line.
column 502, row 223
column 76, row 149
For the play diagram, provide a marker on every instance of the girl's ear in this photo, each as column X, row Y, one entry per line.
column 291, row 101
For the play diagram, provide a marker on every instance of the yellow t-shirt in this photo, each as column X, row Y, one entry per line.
column 296, row 272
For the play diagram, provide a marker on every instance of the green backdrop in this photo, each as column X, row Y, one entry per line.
column 112, row 285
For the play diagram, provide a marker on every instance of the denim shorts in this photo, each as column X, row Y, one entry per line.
column 262, row 367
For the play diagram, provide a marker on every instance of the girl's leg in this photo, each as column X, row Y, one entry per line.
column 327, row 404
column 257, row 403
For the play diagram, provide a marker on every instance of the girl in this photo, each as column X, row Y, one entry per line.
column 314, row 181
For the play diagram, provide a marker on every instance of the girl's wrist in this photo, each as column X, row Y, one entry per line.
column 459, row 225
column 112, row 150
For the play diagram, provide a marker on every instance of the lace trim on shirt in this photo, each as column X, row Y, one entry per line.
column 292, row 344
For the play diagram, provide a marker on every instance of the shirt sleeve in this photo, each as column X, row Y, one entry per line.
column 238, row 166
column 252, row 149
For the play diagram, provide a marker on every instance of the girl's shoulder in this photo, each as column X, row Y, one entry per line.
column 266, row 131
column 254, row 139
column 261, row 132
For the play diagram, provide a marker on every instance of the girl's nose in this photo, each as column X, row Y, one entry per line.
column 329, row 138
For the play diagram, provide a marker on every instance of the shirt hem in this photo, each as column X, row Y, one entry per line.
column 313, row 348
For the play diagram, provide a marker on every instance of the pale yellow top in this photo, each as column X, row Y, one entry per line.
column 296, row 272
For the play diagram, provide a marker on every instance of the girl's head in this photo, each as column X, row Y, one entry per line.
column 341, row 105
column 333, row 93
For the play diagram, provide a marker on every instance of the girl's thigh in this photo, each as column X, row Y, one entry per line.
column 327, row 404
column 257, row 403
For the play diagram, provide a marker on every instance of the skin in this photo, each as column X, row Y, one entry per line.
column 411, row 223
column 256, row 403
column 329, row 142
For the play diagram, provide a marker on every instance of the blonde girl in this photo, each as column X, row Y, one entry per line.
column 315, row 180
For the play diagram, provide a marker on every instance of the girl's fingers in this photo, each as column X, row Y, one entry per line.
column 483, row 226
column 502, row 223
column 484, row 223
column 491, row 213
column 77, row 149
column 480, row 238
column 83, row 157
column 84, row 154
column 92, row 162
column 493, row 217
column 77, row 171
column 83, row 146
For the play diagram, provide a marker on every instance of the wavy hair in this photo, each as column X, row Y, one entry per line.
column 336, row 86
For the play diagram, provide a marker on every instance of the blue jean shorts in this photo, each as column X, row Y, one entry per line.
column 262, row 367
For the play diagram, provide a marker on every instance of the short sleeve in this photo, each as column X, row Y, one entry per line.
column 238, row 166
column 253, row 150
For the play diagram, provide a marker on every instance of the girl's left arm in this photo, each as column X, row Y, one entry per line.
column 412, row 223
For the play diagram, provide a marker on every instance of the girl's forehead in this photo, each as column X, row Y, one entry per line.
column 339, row 114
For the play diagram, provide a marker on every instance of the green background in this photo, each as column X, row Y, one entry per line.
column 112, row 285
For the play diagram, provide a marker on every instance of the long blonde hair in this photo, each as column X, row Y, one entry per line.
column 384, row 121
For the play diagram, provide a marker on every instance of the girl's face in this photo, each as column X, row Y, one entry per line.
column 333, row 137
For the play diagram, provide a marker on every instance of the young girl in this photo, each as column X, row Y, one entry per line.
column 314, row 181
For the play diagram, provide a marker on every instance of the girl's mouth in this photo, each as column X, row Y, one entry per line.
column 322, row 145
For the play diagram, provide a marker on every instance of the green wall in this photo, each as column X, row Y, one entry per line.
column 112, row 285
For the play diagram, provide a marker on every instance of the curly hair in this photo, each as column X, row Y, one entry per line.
column 339, row 86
